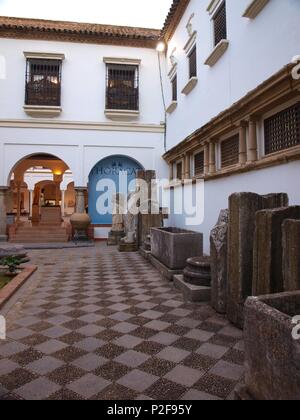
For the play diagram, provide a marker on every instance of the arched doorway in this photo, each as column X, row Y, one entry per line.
column 111, row 169
column 38, row 186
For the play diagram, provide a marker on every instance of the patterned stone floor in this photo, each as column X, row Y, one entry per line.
column 96, row 324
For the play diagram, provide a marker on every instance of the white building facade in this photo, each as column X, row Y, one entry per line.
column 229, row 86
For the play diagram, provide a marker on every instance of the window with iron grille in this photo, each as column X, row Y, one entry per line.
column 282, row 130
column 174, row 88
column 122, row 87
column 199, row 164
column 230, row 151
column 193, row 62
column 43, row 82
column 179, row 170
column 220, row 24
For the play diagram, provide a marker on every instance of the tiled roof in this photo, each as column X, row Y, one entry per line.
column 175, row 14
column 12, row 27
column 77, row 32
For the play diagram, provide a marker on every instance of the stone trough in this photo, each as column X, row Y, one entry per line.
column 272, row 340
column 172, row 247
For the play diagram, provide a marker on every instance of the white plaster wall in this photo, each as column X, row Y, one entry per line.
column 83, row 79
column 282, row 178
column 79, row 149
column 258, row 48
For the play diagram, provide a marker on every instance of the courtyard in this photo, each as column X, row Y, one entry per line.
column 98, row 324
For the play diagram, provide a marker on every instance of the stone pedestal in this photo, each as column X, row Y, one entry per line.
column 198, row 271
column 219, row 271
column 80, row 220
column 196, row 279
column 267, row 253
column 127, row 247
column 3, row 235
column 291, row 255
column 114, row 237
column 242, row 210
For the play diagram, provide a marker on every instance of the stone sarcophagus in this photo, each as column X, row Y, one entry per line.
column 272, row 346
column 173, row 246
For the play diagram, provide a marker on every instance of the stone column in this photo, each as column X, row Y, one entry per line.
column 171, row 171
column 243, row 143
column 63, row 203
column 18, row 185
column 219, row 253
column 3, row 236
column 10, row 201
column 212, row 157
column 187, row 166
column 267, row 253
column 242, row 210
column 291, row 255
column 80, row 200
column 30, row 203
column 252, row 143
column 206, row 158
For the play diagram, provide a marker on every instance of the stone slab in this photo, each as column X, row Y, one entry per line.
column 242, row 211
column 191, row 292
column 163, row 269
column 267, row 252
column 291, row 255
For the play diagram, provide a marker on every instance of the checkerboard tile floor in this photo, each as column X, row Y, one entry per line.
column 96, row 324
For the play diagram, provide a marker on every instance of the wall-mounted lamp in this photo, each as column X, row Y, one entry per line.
column 161, row 46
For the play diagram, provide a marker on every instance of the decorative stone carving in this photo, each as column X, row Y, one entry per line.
column 129, row 242
column 218, row 253
column 117, row 231
column 189, row 26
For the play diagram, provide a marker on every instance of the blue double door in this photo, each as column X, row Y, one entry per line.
column 118, row 172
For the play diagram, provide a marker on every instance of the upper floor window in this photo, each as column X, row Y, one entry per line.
column 179, row 170
column 282, row 130
column 193, row 62
column 220, row 24
column 230, row 151
column 174, row 88
column 122, row 87
column 199, row 164
column 43, row 82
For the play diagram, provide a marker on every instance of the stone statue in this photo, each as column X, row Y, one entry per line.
column 117, row 217
column 130, row 223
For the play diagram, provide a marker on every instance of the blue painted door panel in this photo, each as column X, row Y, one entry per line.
column 109, row 168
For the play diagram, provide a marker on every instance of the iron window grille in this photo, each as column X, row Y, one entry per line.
column 122, row 87
column 43, row 82
column 199, row 164
column 174, row 88
column 220, row 24
column 179, row 170
column 282, row 130
column 230, row 151
column 193, row 62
